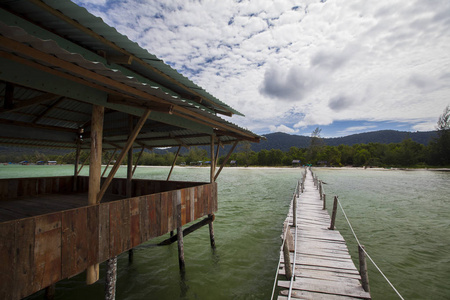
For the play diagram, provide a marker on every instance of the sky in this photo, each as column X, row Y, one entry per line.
column 345, row 66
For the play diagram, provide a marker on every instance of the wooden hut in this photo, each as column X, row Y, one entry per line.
column 69, row 81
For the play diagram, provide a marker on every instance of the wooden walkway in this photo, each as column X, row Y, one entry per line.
column 324, row 268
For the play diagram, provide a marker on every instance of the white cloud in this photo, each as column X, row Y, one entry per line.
column 380, row 61
column 282, row 128
column 356, row 129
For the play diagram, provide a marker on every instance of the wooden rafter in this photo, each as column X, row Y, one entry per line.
column 30, row 102
column 125, row 53
column 31, row 125
column 86, row 74
column 48, row 110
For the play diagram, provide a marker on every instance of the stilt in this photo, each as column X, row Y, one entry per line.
column 130, row 255
column 180, row 249
column 211, row 231
column 130, row 174
column 111, row 278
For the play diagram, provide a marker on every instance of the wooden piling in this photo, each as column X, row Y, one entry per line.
column 180, row 248
column 320, row 189
column 294, row 210
column 333, row 215
column 111, row 278
column 324, row 201
column 211, row 231
column 363, row 269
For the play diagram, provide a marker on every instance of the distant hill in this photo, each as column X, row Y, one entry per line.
column 284, row 141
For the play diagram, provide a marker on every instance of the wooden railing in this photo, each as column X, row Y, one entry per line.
column 39, row 251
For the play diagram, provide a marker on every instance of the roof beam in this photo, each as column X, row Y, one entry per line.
column 30, row 102
column 107, row 42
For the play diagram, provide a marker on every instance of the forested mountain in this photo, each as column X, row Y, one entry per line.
column 284, row 141
column 278, row 140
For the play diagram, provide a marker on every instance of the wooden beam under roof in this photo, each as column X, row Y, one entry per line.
column 107, row 42
column 15, row 46
column 31, row 125
column 29, row 102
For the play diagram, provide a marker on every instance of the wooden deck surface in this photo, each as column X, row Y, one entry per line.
column 324, row 268
column 44, row 204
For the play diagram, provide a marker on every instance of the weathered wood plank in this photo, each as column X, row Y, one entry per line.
column 103, row 232
column 327, row 287
column 74, row 243
column 47, row 250
column 135, row 219
column 24, row 257
column 7, row 259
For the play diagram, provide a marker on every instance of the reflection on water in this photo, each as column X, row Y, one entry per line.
column 402, row 218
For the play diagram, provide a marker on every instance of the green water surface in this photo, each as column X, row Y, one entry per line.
column 402, row 218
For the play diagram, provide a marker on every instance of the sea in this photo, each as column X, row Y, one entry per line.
column 402, row 217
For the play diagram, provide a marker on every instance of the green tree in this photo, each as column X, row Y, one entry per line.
column 315, row 146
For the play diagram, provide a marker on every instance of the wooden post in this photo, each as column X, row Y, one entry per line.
column 287, row 259
column 111, row 278
column 95, row 170
column 333, row 215
column 212, row 179
column 294, row 211
column 320, row 189
column 77, row 158
column 180, row 248
column 324, row 201
column 363, row 269
column 226, row 159
column 211, row 231
column 137, row 160
column 130, row 173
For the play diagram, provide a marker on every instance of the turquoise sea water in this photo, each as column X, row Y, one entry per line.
column 402, row 218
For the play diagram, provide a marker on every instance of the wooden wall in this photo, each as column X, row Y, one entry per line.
column 39, row 251
column 12, row 188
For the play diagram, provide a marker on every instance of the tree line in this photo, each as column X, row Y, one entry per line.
column 404, row 154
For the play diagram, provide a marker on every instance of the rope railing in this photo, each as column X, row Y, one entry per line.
column 299, row 189
column 360, row 246
column 365, row 252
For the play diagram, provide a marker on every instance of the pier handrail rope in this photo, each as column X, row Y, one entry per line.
column 365, row 252
column 295, row 250
column 282, row 245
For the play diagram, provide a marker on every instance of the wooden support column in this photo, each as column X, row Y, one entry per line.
column 95, row 168
column 50, row 292
column 213, row 179
column 130, row 173
column 77, row 158
column 180, row 233
column 111, row 277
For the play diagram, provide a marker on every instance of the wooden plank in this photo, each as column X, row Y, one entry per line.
column 7, row 259
column 327, row 287
column 103, row 232
column 74, row 242
column 305, row 295
column 47, row 250
column 24, row 262
column 164, row 213
column 135, row 219
column 144, row 222
column 119, row 224
column 92, row 234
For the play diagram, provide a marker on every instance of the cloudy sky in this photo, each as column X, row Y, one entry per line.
column 346, row 66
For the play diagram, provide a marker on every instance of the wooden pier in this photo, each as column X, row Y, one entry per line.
column 323, row 266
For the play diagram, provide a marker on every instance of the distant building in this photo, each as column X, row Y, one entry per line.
column 196, row 163
column 296, row 163
column 51, row 162
column 233, row 163
column 41, row 162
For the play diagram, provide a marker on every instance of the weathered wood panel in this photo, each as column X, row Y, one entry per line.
column 38, row 251
column 7, row 259
column 24, row 258
column 47, row 250
column 74, row 243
